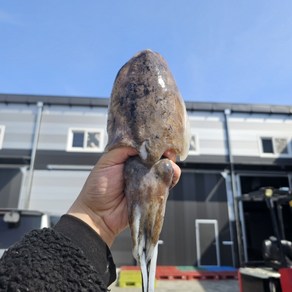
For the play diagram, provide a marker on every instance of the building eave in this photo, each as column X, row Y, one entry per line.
column 191, row 106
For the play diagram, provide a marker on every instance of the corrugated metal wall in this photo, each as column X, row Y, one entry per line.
column 57, row 120
column 197, row 196
column 55, row 190
column 210, row 132
column 246, row 130
column 202, row 193
column 19, row 125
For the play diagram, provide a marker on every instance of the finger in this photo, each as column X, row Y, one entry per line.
column 170, row 154
column 176, row 173
column 117, row 156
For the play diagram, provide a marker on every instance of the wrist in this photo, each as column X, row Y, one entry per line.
column 92, row 219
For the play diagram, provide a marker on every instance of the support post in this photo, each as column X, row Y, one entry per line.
column 238, row 249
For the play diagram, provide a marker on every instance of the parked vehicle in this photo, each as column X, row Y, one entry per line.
column 14, row 224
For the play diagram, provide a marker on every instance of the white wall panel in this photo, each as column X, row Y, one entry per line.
column 19, row 125
column 247, row 129
column 209, row 128
column 55, row 190
column 56, row 122
column 210, row 132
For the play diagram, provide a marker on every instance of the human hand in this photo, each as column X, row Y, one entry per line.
column 102, row 203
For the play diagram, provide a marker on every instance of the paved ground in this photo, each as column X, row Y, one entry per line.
column 187, row 286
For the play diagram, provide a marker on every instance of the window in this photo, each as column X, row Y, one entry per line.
column 194, row 148
column 267, row 145
column 2, row 129
column 85, row 140
column 78, row 139
column 281, row 145
column 274, row 145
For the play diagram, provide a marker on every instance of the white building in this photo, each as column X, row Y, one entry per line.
column 49, row 144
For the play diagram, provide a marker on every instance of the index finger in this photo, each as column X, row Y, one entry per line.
column 118, row 156
column 176, row 173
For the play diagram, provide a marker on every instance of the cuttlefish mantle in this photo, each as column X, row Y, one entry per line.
column 146, row 110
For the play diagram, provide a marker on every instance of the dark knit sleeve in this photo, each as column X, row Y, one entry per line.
column 49, row 260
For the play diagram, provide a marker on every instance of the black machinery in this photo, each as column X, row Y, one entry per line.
column 276, row 274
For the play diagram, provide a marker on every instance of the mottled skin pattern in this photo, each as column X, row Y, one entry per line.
column 147, row 113
column 146, row 110
column 147, row 187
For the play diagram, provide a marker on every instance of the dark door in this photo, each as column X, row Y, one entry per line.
column 10, row 184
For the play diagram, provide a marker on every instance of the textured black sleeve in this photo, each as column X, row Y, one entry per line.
column 94, row 248
column 50, row 260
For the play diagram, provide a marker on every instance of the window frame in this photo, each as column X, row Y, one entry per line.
column 197, row 151
column 274, row 154
column 70, row 136
column 2, row 132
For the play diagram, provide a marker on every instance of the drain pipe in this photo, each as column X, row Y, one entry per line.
column 238, row 246
column 33, row 153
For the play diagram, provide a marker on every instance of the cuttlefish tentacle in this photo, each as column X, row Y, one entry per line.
column 147, row 188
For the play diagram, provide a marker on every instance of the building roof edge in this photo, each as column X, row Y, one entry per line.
column 104, row 101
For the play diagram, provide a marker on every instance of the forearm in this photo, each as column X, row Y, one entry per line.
column 71, row 257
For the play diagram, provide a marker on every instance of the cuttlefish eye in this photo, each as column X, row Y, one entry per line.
column 164, row 170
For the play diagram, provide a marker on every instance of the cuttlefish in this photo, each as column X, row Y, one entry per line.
column 147, row 112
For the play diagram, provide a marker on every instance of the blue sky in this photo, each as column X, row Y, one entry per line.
column 218, row 51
